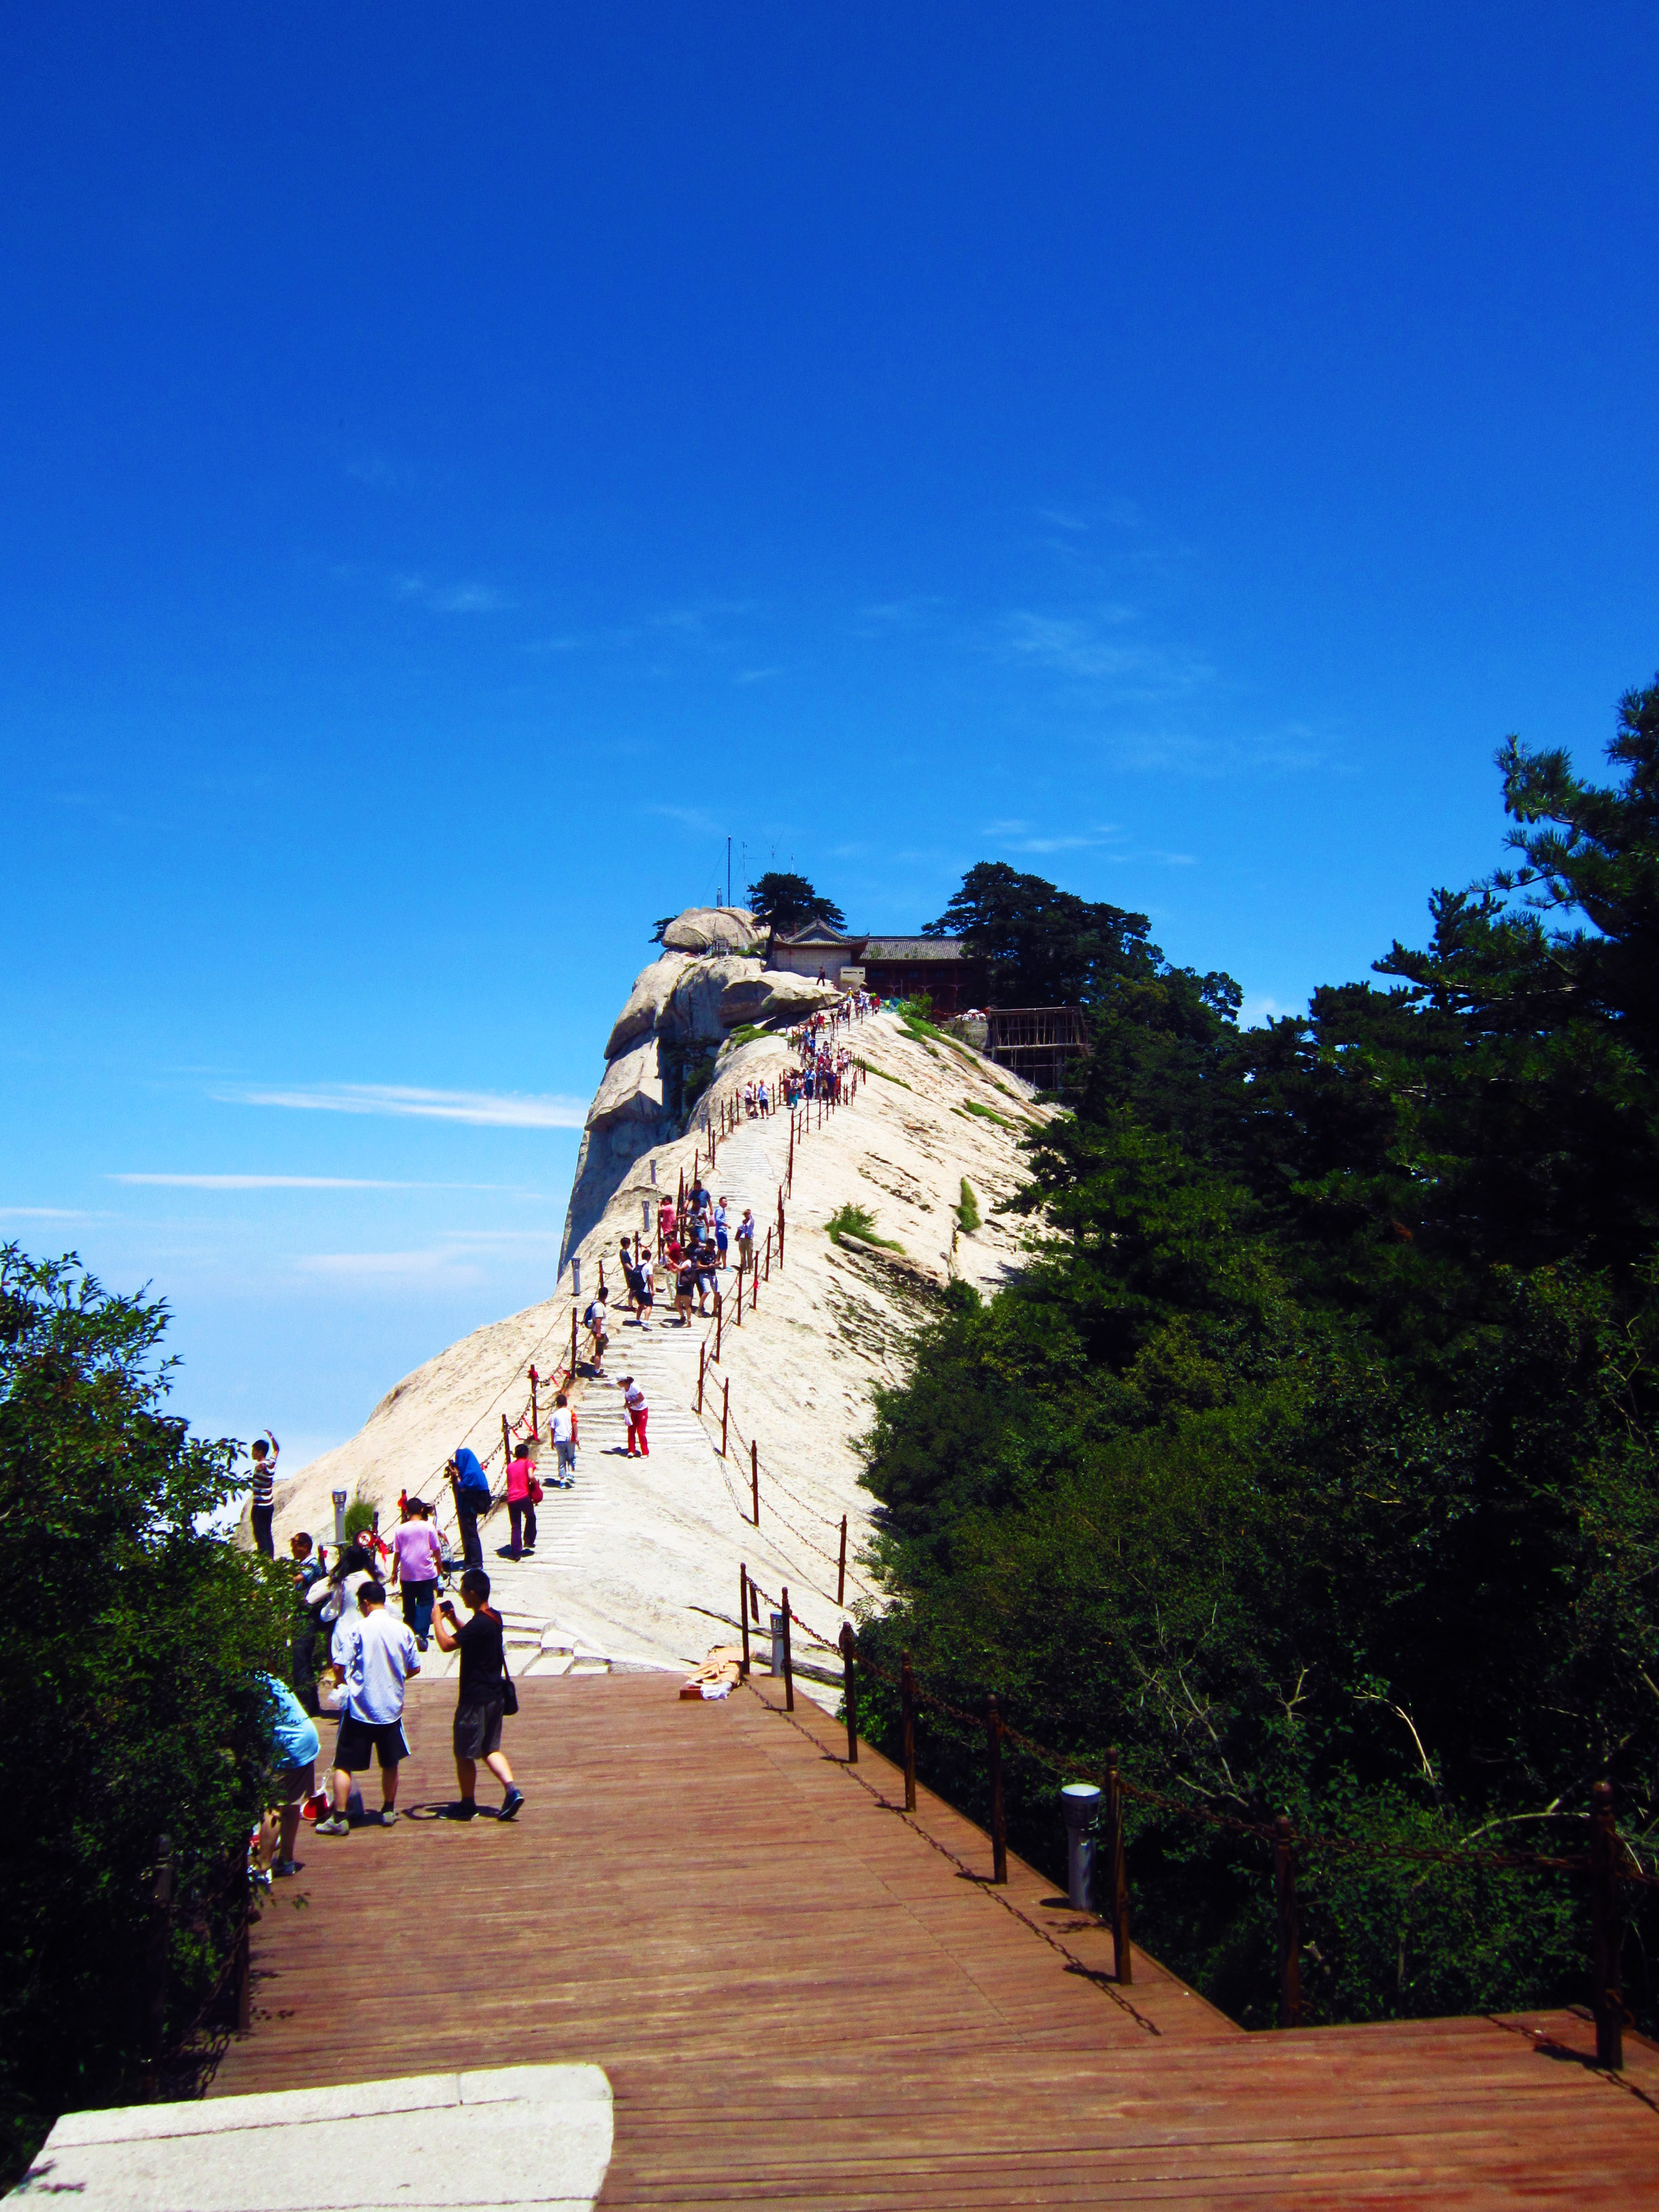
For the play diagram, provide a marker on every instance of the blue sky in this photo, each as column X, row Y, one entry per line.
column 458, row 468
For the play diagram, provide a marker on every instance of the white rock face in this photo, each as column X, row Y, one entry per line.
column 642, row 1557
column 647, row 1000
column 713, row 929
column 696, row 1009
column 631, row 1090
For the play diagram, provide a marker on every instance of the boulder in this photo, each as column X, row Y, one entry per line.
column 788, row 996
column 694, row 1013
column 713, row 929
column 646, row 1001
column 631, row 1090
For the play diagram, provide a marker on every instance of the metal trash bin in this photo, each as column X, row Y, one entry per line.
column 1079, row 1805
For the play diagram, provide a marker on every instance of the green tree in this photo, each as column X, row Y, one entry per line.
column 781, row 901
column 1313, row 1460
column 130, row 1700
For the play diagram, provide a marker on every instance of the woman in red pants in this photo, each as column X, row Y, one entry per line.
column 638, row 1414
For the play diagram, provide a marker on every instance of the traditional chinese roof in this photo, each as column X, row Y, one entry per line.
column 913, row 948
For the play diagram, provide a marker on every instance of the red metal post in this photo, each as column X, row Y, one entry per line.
column 726, row 1413
column 1289, row 1943
column 999, row 1824
column 908, row 1708
column 702, row 1357
column 840, row 1571
column 849, row 1691
column 788, row 1663
column 1609, row 2004
column 1117, row 1882
column 535, row 1417
column 743, row 1615
column 754, row 1476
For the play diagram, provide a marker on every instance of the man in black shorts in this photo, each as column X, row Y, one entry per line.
column 481, row 1698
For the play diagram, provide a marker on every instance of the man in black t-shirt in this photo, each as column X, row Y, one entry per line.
column 481, row 1693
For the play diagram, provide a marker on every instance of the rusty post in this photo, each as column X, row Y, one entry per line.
column 738, row 1317
column 161, row 1902
column 720, row 1319
column 754, row 1602
column 1290, row 1946
column 908, row 1704
column 788, row 1665
column 726, row 1411
column 679, row 1202
column 702, row 1358
column 999, row 1822
column 768, row 1269
column 242, row 1974
column 535, row 1417
column 1609, row 2002
column 841, row 1570
column 743, row 1615
column 1117, row 1877
column 850, row 1689
column 507, row 1445
column 573, row 1340
column 754, row 1476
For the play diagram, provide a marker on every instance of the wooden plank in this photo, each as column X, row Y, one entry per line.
column 802, row 1996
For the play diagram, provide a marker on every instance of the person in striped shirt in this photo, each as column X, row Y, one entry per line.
column 262, row 1503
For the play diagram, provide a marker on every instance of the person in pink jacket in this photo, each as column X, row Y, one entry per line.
column 521, row 1488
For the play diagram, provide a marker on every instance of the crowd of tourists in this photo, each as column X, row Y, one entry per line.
column 361, row 1687
column 371, row 1655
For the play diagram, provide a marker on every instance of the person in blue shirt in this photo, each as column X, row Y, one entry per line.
column 294, row 1746
column 472, row 1487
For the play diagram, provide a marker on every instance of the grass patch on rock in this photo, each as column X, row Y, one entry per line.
column 858, row 1221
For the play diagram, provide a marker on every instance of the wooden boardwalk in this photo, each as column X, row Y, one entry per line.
column 802, row 1998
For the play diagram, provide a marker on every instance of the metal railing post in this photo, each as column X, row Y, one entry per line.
column 754, row 1476
column 161, row 1927
column 1609, row 2004
column 907, row 1705
column 726, row 1413
column 1117, row 1879
column 788, row 1664
column 1290, row 1946
column 998, row 1823
column 743, row 1616
column 849, row 1690
column 841, row 1570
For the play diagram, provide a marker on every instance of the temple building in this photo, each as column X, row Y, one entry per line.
column 936, row 968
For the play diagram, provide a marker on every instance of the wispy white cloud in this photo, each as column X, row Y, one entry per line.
column 47, row 1213
column 461, row 599
column 292, row 1182
column 1258, row 1009
column 1095, row 649
column 756, row 675
column 485, row 1109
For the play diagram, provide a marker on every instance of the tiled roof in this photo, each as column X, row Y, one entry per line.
column 912, row 948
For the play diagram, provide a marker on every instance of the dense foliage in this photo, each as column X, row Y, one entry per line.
column 129, row 1705
column 1041, row 946
column 1313, row 1460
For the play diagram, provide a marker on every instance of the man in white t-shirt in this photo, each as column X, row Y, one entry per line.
column 377, row 1655
column 564, row 1440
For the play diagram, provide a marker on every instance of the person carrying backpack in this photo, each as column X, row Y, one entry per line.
column 563, row 1429
column 485, row 1692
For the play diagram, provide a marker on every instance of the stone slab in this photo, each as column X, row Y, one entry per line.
column 512, row 2137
